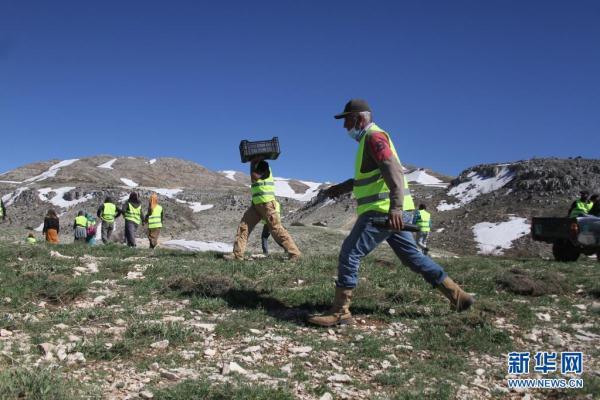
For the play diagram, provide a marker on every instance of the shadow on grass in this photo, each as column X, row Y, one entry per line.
column 250, row 299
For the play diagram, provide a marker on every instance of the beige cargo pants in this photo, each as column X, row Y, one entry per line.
column 252, row 217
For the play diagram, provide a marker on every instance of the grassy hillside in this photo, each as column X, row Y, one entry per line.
column 112, row 322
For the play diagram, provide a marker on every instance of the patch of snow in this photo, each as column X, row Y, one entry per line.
column 229, row 174
column 421, row 177
column 39, row 228
column 468, row 191
column 129, row 182
column 195, row 206
column 108, row 164
column 10, row 198
column 124, row 198
column 327, row 203
column 192, row 245
column 444, row 206
column 58, row 199
column 11, row 182
column 283, row 189
column 440, row 230
column 170, row 193
column 492, row 238
column 52, row 171
column 152, row 161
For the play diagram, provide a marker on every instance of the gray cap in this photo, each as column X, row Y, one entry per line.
column 354, row 106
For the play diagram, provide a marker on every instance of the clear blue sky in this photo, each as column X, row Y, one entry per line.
column 456, row 83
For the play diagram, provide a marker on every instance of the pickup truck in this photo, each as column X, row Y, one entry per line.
column 570, row 237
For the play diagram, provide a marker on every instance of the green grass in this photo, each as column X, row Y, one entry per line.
column 275, row 297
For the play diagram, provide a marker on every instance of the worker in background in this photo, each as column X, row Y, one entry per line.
column 380, row 189
column 132, row 211
column 154, row 218
column 80, row 227
column 31, row 239
column 423, row 220
column 582, row 206
column 51, row 227
column 263, row 207
column 108, row 212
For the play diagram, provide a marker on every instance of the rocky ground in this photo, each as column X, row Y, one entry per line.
column 112, row 322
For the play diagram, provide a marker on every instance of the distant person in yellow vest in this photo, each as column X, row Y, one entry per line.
column 264, row 237
column 80, row 227
column 132, row 211
column 381, row 191
column 263, row 207
column 154, row 218
column 423, row 220
column 31, row 239
column 2, row 210
column 582, row 206
column 107, row 213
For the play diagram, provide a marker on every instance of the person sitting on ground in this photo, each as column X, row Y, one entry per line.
column 80, row 227
column 31, row 239
column 51, row 227
column 132, row 211
column 580, row 207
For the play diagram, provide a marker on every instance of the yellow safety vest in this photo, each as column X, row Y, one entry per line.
column 370, row 190
column 109, row 212
column 581, row 208
column 277, row 210
column 423, row 221
column 133, row 214
column 263, row 190
column 31, row 240
column 155, row 218
column 81, row 221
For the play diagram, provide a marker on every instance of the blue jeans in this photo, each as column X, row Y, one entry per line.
column 365, row 237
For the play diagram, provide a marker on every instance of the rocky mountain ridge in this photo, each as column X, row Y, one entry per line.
column 485, row 209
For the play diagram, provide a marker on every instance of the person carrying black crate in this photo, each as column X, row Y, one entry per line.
column 263, row 207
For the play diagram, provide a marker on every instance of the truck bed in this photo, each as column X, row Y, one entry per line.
column 549, row 229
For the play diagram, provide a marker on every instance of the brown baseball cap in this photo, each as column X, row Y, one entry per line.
column 354, row 106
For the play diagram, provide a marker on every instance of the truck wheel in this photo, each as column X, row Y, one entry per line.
column 564, row 251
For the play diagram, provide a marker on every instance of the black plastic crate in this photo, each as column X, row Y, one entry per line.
column 269, row 149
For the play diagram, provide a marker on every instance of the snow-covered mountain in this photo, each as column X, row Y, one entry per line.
column 486, row 209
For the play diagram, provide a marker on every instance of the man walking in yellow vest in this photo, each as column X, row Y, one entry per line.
column 154, row 218
column 132, row 211
column 263, row 207
column 107, row 213
column 423, row 220
column 380, row 189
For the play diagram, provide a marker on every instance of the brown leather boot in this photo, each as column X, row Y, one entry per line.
column 459, row 299
column 339, row 314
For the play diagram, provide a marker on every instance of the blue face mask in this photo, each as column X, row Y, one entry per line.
column 356, row 134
